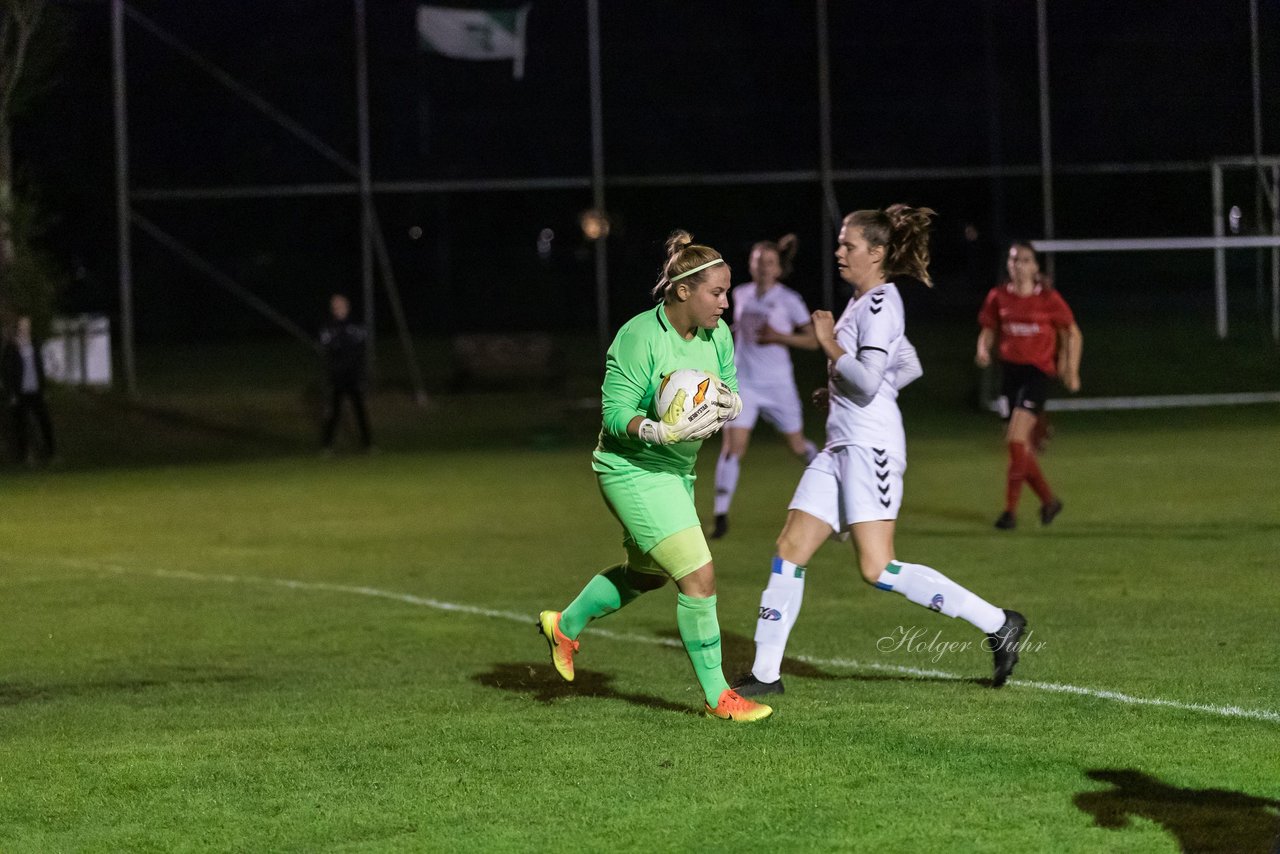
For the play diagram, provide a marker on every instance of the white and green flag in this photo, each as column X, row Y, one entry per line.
column 475, row 33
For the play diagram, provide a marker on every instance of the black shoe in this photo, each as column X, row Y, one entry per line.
column 1004, row 646
column 1049, row 511
column 1007, row 521
column 721, row 527
column 750, row 686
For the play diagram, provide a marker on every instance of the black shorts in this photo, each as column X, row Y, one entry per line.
column 1022, row 387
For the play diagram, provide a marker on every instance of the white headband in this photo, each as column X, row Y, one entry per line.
column 687, row 273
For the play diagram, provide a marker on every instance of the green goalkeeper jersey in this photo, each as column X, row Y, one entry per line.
column 645, row 349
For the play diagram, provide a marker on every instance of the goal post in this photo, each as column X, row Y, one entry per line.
column 1218, row 243
column 1265, row 172
column 1125, row 353
column 1266, row 187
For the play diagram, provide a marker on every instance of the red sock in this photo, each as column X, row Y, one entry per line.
column 1018, row 457
column 1035, row 478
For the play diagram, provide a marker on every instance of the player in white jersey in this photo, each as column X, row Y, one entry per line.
column 768, row 318
column 855, row 484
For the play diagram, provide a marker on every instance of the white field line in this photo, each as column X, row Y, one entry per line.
column 842, row 663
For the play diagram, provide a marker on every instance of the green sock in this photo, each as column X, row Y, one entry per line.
column 700, row 631
column 604, row 594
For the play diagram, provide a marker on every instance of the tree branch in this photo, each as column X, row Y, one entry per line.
column 6, row 26
column 21, row 18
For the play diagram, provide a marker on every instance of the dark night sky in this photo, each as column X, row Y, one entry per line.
column 688, row 87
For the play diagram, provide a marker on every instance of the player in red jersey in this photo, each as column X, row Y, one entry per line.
column 1038, row 340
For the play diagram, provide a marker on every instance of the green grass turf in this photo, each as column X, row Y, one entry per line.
column 162, row 689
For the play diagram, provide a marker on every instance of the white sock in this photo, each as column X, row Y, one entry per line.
column 726, row 482
column 925, row 586
column 810, row 451
column 779, row 607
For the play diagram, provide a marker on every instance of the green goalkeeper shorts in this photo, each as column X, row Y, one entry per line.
column 653, row 506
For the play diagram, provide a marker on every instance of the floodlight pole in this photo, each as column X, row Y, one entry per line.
column 1261, row 186
column 366, row 188
column 597, row 175
column 830, row 208
column 1046, row 139
column 123, row 246
column 1219, row 253
column 995, row 147
column 1256, row 77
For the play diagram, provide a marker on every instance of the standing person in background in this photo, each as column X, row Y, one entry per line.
column 768, row 318
column 855, row 484
column 343, row 343
column 1038, row 339
column 23, row 373
column 644, row 468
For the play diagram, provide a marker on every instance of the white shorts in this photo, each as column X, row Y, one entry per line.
column 851, row 484
column 779, row 405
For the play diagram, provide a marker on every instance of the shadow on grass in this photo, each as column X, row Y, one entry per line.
column 545, row 685
column 739, row 652
column 15, row 694
column 1200, row 819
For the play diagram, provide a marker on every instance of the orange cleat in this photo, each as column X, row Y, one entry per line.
column 562, row 649
column 737, row 708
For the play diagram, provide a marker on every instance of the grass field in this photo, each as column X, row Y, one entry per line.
column 274, row 652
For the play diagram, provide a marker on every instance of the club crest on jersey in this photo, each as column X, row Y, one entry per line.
column 771, row 614
column 936, row 602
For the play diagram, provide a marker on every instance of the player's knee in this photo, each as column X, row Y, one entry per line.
column 643, row 582
column 700, row 583
column 791, row 548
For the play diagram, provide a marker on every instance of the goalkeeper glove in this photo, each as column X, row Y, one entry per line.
column 728, row 402
column 674, row 427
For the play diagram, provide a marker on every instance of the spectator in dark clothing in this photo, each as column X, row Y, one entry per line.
column 23, row 374
column 343, row 343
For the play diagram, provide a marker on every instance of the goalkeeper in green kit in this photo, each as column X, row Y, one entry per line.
column 644, row 466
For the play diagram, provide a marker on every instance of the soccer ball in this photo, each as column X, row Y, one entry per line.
column 699, row 393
